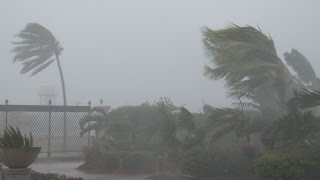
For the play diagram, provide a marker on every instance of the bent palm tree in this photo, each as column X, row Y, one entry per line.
column 246, row 58
column 37, row 50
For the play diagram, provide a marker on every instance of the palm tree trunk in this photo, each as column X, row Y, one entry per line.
column 62, row 82
column 64, row 145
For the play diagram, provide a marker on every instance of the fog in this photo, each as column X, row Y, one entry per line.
column 129, row 52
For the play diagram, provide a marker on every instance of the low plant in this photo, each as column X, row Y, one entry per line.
column 288, row 165
column 51, row 176
column 203, row 163
column 12, row 137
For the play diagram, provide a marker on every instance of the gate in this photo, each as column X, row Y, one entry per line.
column 54, row 128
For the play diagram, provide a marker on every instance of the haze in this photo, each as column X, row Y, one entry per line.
column 129, row 52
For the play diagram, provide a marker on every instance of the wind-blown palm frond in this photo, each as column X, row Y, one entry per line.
column 247, row 105
column 244, row 56
column 186, row 120
column 307, row 99
column 226, row 120
column 300, row 65
column 96, row 120
column 246, row 59
column 36, row 49
column 291, row 128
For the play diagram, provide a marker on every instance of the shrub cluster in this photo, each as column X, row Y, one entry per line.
column 130, row 161
column 51, row 176
column 201, row 163
column 288, row 165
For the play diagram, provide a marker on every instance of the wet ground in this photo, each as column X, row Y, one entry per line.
column 69, row 168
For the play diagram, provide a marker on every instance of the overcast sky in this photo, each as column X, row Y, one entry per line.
column 130, row 51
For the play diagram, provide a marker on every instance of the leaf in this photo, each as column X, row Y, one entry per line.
column 36, row 47
column 300, row 65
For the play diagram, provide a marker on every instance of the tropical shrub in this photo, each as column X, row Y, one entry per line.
column 139, row 162
column 92, row 153
column 111, row 160
column 51, row 176
column 201, row 163
column 288, row 165
column 12, row 137
column 136, row 161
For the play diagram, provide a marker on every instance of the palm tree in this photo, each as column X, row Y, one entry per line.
column 96, row 121
column 247, row 59
column 37, row 50
column 295, row 127
column 226, row 120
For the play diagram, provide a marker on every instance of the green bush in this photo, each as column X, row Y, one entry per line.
column 51, row 176
column 201, row 163
column 92, row 153
column 142, row 162
column 289, row 165
column 196, row 162
column 111, row 160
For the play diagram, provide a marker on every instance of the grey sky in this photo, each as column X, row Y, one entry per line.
column 128, row 52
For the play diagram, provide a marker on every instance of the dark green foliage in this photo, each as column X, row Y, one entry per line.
column 245, row 57
column 96, row 121
column 288, row 165
column 111, row 160
column 139, row 162
column 196, row 162
column 241, row 121
column 51, row 176
column 135, row 161
column 92, row 153
column 12, row 137
column 306, row 98
column 301, row 66
column 291, row 129
column 202, row 163
column 186, row 120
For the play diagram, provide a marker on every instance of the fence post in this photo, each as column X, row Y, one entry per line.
column 89, row 134
column 64, row 145
column 49, row 131
column 7, row 113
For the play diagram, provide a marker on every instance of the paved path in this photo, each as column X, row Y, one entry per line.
column 69, row 168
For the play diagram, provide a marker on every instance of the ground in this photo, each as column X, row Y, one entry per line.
column 69, row 168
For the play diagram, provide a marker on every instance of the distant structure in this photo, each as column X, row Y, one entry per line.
column 47, row 93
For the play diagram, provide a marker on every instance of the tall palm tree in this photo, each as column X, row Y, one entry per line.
column 38, row 49
column 246, row 58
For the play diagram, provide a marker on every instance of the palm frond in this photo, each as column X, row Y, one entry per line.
column 306, row 98
column 186, row 120
column 300, row 65
column 244, row 57
column 35, row 49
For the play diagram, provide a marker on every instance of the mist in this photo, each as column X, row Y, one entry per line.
column 129, row 52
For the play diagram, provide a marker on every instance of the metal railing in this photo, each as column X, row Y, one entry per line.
column 54, row 128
